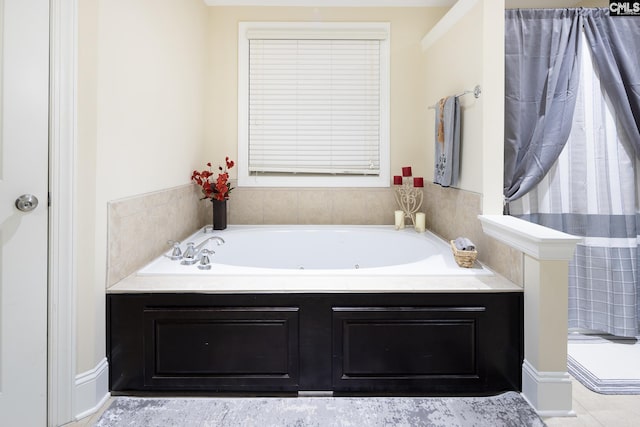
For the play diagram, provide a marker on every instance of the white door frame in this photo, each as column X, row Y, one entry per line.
column 62, row 213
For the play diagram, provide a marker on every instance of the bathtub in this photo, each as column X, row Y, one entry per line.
column 298, row 258
column 318, row 250
column 291, row 309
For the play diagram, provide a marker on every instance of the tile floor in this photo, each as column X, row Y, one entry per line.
column 600, row 410
column 592, row 409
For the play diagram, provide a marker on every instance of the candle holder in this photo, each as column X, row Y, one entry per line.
column 409, row 198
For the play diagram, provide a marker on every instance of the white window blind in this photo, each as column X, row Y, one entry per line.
column 317, row 101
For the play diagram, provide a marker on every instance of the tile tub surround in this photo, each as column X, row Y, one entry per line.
column 153, row 219
column 175, row 213
column 451, row 213
column 319, row 206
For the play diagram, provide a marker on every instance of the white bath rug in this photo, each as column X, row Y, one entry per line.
column 605, row 364
column 506, row 410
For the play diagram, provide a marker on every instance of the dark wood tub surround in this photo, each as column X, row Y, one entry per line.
column 347, row 343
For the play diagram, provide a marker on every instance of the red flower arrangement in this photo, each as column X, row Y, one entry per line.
column 218, row 190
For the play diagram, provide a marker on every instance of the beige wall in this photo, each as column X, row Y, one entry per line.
column 457, row 67
column 467, row 53
column 408, row 102
column 141, row 125
column 151, row 103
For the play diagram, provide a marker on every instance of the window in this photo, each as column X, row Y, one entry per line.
column 313, row 104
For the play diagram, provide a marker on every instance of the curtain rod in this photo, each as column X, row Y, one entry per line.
column 476, row 93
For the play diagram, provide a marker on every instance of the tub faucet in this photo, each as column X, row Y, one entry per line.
column 193, row 253
column 219, row 239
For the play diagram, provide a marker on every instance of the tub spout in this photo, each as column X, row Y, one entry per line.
column 193, row 253
column 218, row 239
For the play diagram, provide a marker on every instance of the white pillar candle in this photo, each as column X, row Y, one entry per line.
column 399, row 219
column 420, row 222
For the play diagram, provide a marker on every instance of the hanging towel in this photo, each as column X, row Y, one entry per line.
column 447, row 147
column 440, row 119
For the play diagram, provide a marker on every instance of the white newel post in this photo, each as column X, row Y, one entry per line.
column 545, row 380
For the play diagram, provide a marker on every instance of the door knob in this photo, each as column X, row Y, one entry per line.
column 26, row 202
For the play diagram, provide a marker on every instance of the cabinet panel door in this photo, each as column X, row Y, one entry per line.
column 404, row 349
column 222, row 348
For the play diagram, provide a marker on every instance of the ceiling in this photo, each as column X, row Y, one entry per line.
column 509, row 4
column 542, row 4
column 332, row 3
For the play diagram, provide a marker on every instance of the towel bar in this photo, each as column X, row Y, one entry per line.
column 476, row 93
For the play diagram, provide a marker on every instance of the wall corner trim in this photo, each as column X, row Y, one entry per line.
column 62, row 257
column 535, row 240
column 549, row 393
column 457, row 12
column 92, row 390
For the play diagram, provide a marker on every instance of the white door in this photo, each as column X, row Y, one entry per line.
column 24, row 85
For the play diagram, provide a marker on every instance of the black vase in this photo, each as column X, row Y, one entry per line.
column 219, row 214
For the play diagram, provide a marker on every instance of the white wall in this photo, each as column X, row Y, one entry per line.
column 88, row 290
column 141, row 125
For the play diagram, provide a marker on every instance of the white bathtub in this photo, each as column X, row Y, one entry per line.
column 308, row 259
column 319, row 250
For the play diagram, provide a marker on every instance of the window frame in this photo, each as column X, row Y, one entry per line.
column 318, row 30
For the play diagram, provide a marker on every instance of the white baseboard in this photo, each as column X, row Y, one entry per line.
column 92, row 390
column 549, row 393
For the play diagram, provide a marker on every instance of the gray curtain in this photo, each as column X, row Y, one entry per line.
column 541, row 75
column 592, row 188
column 592, row 191
column 615, row 43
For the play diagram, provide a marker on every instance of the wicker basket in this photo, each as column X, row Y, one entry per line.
column 463, row 258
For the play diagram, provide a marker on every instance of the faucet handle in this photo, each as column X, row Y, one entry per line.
column 205, row 262
column 176, row 253
column 190, row 251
